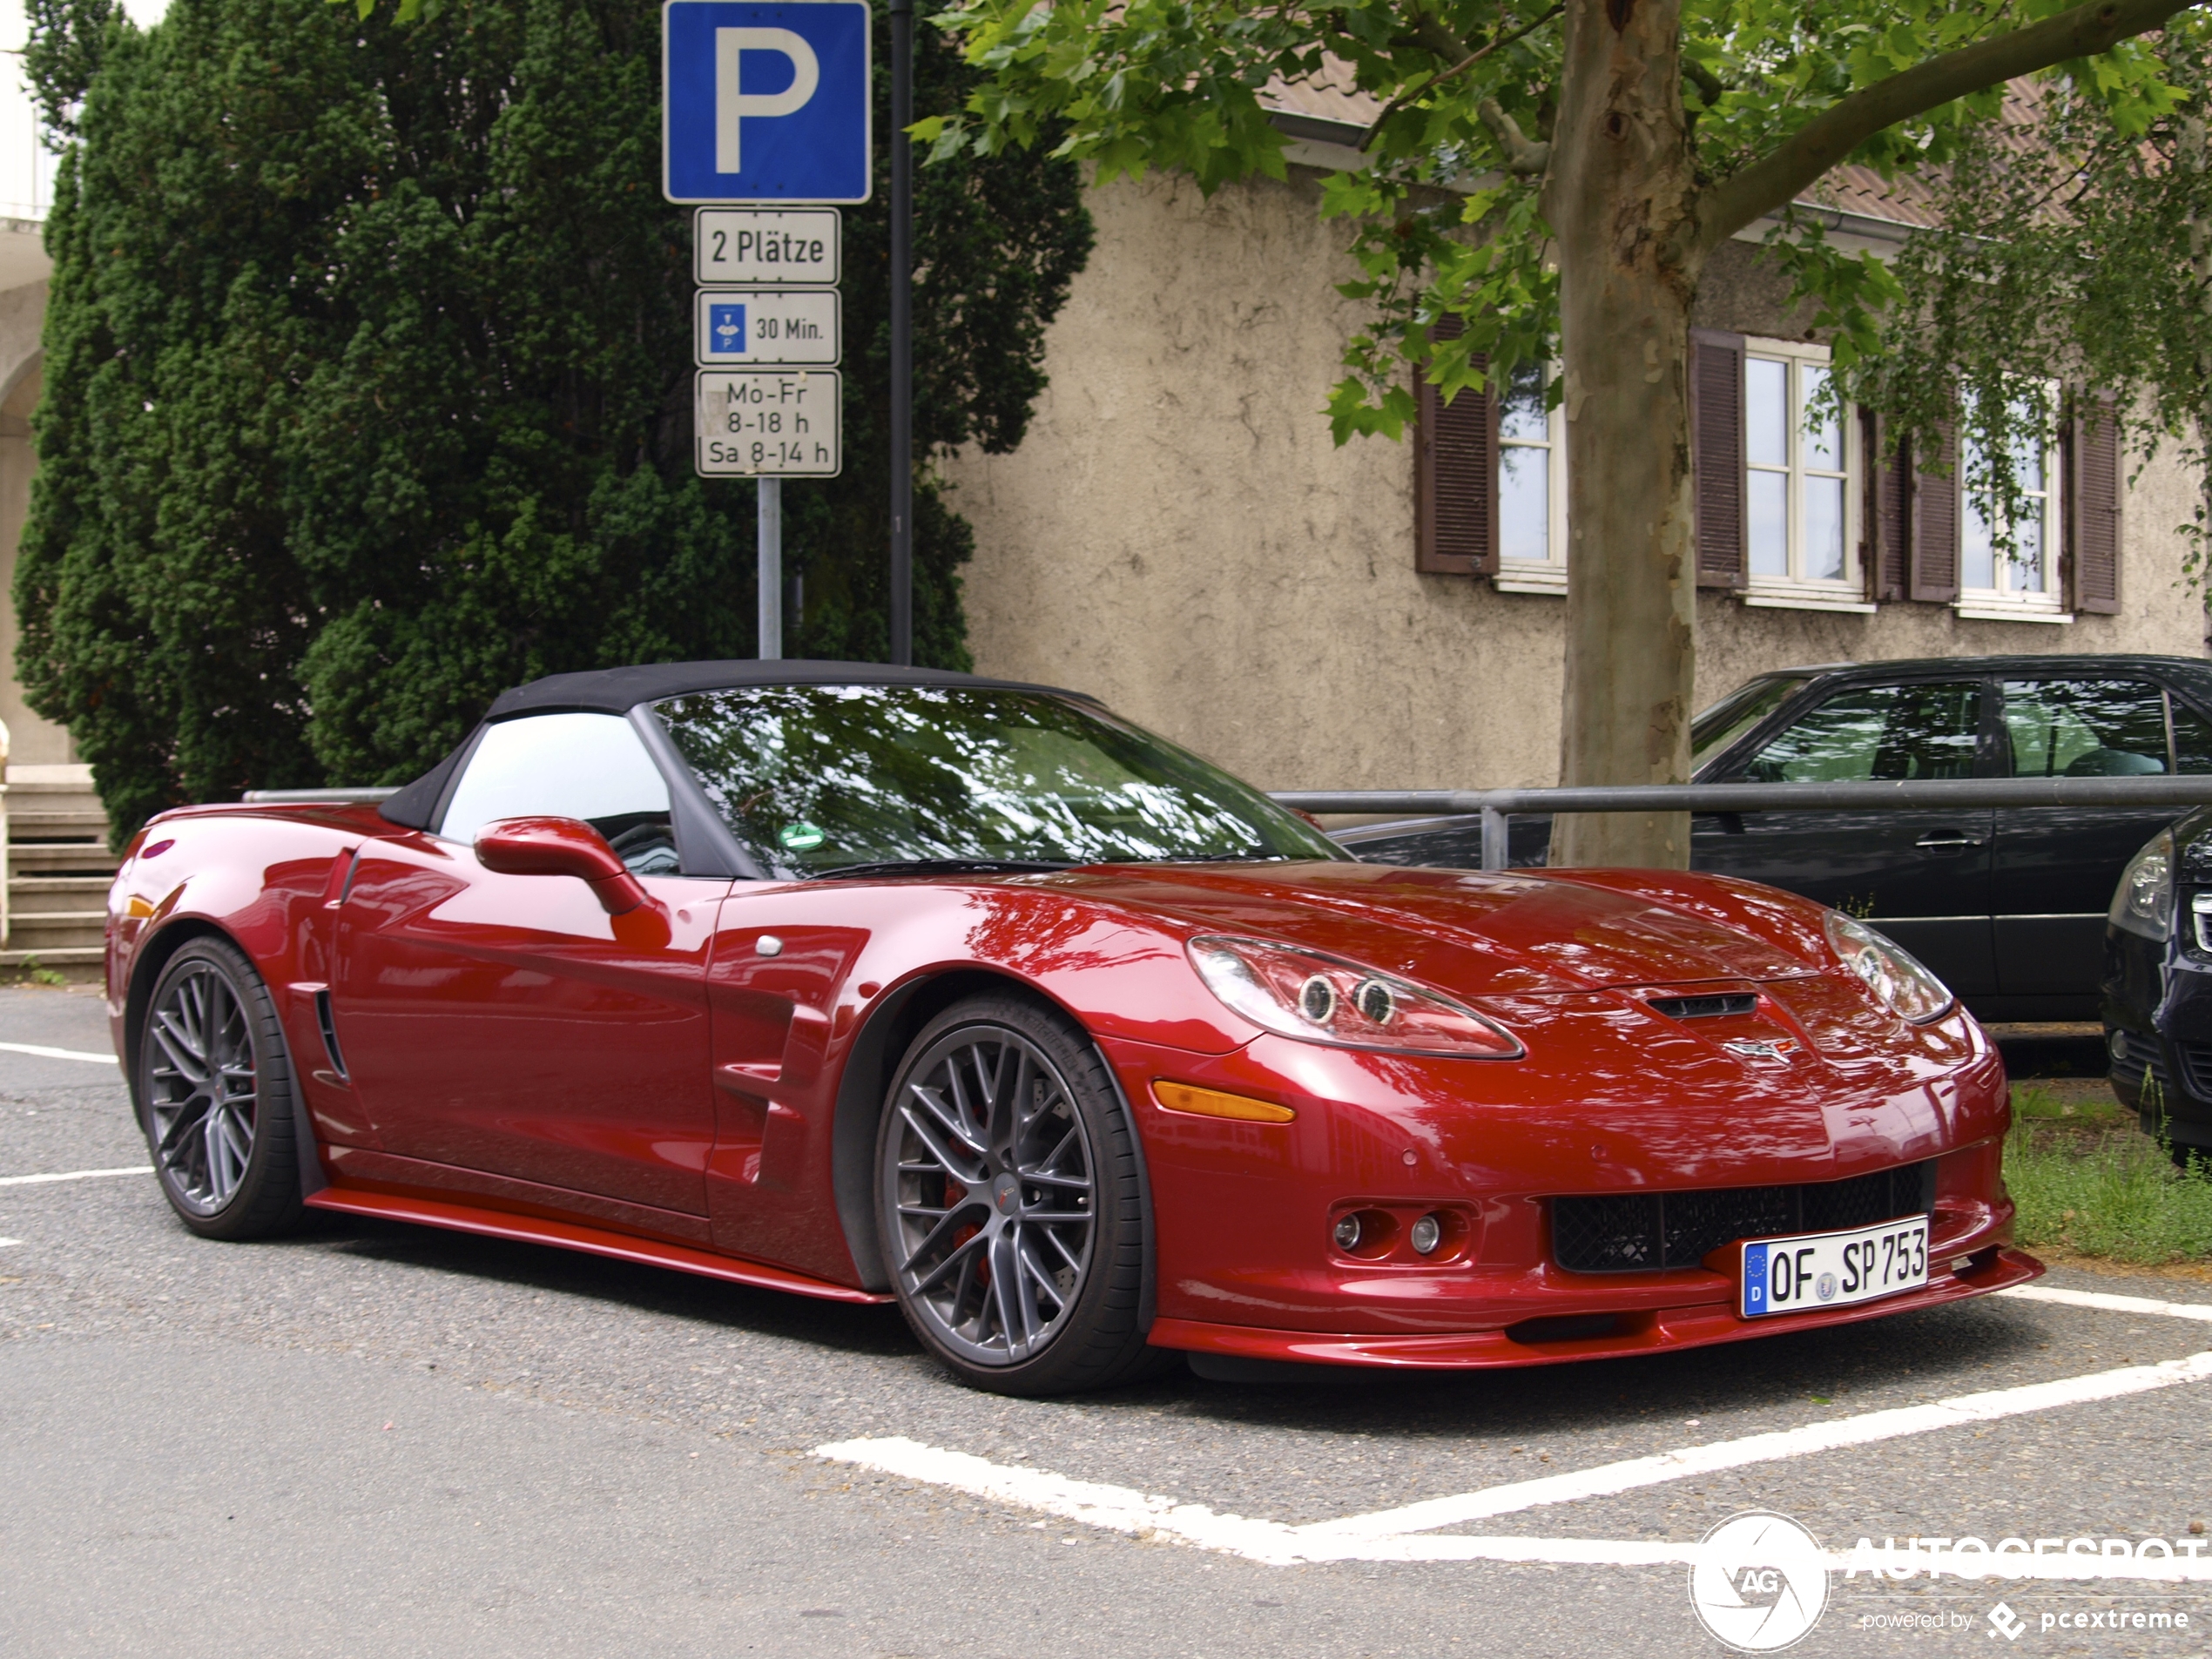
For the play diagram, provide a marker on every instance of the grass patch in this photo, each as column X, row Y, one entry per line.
column 2087, row 1180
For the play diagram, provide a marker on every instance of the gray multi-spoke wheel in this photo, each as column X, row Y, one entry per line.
column 1009, row 1202
column 214, row 1089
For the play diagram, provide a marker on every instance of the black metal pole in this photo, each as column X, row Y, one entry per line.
column 902, row 332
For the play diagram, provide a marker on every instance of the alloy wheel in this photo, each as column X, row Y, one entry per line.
column 203, row 1088
column 990, row 1179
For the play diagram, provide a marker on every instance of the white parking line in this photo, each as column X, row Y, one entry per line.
column 10, row 1244
column 44, row 1053
column 72, row 1175
column 2107, row 1304
column 1392, row 1534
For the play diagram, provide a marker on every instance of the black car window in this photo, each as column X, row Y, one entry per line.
column 2085, row 728
column 2192, row 739
column 817, row 778
column 591, row 766
column 1878, row 732
column 1737, row 713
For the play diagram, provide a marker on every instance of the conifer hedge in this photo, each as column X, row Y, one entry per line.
column 368, row 384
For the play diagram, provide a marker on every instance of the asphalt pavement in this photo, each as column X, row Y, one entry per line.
column 373, row 1440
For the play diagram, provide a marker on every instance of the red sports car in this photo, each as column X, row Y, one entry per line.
column 870, row 984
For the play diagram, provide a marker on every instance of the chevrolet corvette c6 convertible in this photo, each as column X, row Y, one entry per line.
column 879, row 984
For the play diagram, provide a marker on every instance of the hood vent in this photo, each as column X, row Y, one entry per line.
column 1704, row 1008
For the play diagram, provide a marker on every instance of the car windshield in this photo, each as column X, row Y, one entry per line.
column 820, row 779
column 1737, row 713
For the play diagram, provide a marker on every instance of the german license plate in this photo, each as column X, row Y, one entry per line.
column 1815, row 1270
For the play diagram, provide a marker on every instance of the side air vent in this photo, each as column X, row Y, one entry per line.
column 1705, row 1008
column 329, row 1032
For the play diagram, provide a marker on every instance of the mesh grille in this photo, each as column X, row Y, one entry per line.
column 1643, row 1232
column 1705, row 1008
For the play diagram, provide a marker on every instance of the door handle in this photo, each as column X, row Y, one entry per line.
column 1935, row 840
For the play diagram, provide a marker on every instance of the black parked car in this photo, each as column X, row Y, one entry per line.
column 2007, row 905
column 2158, row 985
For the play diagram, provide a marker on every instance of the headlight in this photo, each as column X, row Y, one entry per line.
column 1322, row 999
column 1897, row 981
column 2144, row 902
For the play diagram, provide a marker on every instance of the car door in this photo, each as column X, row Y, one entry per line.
column 1920, row 876
column 2055, row 866
column 506, row 1025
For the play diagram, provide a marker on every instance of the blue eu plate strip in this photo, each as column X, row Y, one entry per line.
column 1753, row 1278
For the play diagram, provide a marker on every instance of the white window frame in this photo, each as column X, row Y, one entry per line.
column 2003, row 604
column 1546, row 574
column 1796, row 591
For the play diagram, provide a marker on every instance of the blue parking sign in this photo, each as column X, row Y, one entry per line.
column 725, row 328
column 765, row 102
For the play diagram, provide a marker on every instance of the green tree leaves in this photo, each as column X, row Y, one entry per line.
column 368, row 387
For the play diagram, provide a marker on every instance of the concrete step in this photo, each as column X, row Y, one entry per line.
column 57, row 892
column 54, row 930
column 38, row 822
column 61, row 857
column 79, row 966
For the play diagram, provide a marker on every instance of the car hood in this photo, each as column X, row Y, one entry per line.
column 1489, row 933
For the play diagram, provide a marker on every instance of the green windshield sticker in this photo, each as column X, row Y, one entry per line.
column 801, row 837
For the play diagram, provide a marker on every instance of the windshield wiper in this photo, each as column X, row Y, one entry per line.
column 946, row 867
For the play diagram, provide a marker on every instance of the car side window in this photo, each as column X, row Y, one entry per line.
column 1878, row 732
column 591, row 766
column 2192, row 739
column 2085, row 728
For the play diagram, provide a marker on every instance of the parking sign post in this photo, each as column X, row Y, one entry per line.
column 903, row 333
column 765, row 124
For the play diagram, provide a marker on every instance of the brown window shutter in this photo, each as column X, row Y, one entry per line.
column 1887, row 551
column 2093, row 508
column 1933, row 557
column 1455, row 475
column 1717, row 454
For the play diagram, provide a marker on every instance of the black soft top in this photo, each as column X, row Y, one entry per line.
column 617, row 690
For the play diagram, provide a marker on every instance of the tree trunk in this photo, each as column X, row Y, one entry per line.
column 1622, row 201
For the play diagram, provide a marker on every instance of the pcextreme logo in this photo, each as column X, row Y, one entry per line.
column 1759, row 1582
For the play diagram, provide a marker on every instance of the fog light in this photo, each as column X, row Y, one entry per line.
column 2119, row 1045
column 1426, row 1234
column 1346, row 1232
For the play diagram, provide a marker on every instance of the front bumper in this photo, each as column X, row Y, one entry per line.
column 2158, row 1032
column 1549, row 1341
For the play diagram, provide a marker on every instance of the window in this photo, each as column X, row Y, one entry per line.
column 2086, row 728
column 2003, row 583
column 2192, row 738
column 816, row 778
column 591, row 766
column 1717, row 727
column 1800, row 510
column 1532, row 487
column 1878, row 733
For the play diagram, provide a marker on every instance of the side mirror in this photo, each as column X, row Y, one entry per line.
column 561, row 846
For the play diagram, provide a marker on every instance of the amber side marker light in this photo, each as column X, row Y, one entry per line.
column 1211, row 1102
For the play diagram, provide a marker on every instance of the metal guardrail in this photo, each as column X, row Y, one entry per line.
column 1496, row 805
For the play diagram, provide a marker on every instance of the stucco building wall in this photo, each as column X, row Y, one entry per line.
column 1179, row 536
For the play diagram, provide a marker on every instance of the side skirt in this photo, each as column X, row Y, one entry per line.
column 593, row 1241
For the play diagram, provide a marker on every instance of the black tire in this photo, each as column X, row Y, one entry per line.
column 974, row 1193
column 214, row 1088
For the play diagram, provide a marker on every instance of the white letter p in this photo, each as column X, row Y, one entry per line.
column 731, row 105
